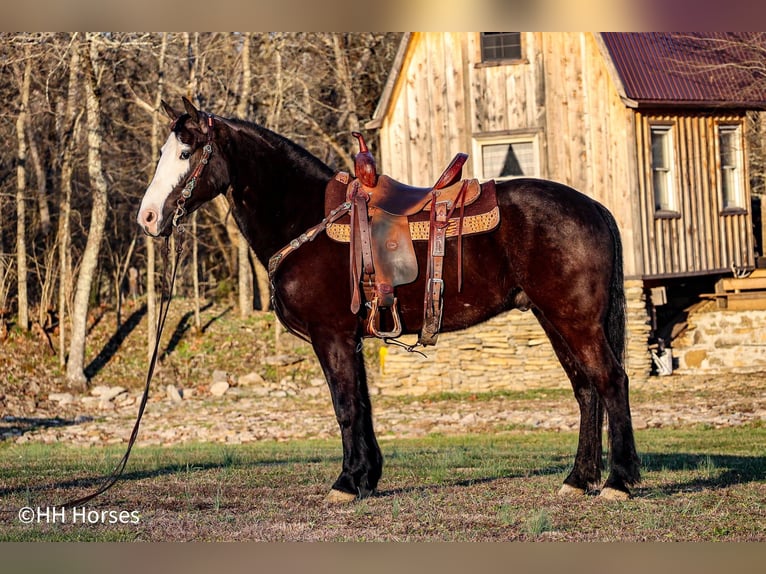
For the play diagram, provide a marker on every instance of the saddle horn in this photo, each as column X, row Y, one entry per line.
column 364, row 164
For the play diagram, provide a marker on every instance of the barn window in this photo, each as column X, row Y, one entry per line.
column 662, row 169
column 499, row 46
column 508, row 158
column 730, row 153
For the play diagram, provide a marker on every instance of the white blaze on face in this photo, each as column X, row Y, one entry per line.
column 173, row 165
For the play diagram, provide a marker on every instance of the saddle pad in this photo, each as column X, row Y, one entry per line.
column 481, row 216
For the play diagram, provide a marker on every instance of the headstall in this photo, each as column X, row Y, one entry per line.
column 191, row 183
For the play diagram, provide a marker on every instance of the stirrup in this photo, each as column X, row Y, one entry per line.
column 373, row 318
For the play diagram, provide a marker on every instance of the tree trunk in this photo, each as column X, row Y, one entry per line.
column 151, row 287
column 88, row 265
column 69, row 137
column 244, row 273
column 21, row 191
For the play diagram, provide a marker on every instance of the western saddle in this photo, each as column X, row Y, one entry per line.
column 381, row 220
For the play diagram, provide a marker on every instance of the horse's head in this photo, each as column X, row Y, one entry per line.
column 190, row 171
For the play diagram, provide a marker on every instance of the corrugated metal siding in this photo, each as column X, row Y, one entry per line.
column 710, row 69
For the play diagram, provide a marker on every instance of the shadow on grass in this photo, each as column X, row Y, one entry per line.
column 189, row 468
column 722, row 471
column 11, row 427
column 114, row 343
column 554, row 465
column 184, row 324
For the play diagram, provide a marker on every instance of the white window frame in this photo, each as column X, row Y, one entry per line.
column 734, row 200
column 481, row 141
column 664, row 203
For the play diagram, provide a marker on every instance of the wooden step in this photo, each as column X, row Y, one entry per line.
column 749, row 301
column 740, row 284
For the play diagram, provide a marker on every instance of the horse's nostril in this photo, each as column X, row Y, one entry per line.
column 149, row 216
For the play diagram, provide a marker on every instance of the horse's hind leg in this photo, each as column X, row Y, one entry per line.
column 342, row 362
column 597, row 374
column 586, row 471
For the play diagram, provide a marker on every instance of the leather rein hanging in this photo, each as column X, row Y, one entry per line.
column 165, row 298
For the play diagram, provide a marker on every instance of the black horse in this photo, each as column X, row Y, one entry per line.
column 556, row 252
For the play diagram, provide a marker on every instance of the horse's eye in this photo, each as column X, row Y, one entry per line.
column 185, row 155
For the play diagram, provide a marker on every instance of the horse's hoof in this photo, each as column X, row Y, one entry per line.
column 339, row 497
column 570, row 491
column 613, row 494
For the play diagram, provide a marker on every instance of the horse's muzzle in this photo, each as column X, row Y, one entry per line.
column 150, row 221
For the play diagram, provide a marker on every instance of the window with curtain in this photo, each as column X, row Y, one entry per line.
column 662, row 169
column 730, row 152
column 508, row 159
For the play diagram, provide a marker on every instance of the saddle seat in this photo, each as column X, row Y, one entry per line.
column 399, row 198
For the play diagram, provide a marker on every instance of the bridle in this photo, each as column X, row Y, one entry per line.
column 167, row 293
column 191, row 183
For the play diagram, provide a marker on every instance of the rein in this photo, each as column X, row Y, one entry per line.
column 165, row 298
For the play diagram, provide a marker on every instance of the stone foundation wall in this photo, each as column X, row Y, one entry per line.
column 508, row 352
column 719, row 340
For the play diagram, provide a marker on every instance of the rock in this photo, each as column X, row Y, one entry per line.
column 172, row 393
column 468, row 419
column 106, row 393
column 220, row 377
column 105, row 405
column 251, row 379
column 282, row 360
column 61, row 398
column 219, row 388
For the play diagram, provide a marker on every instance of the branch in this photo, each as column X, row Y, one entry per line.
column 140, row 102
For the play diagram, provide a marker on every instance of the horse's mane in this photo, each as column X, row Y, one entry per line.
column 308, row 161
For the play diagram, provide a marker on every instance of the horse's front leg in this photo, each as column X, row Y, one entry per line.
column 341, row 358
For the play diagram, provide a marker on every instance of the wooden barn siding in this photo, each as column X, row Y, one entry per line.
column 589, row 131
column 443, row 99
column 426, row 125
column 701, row 239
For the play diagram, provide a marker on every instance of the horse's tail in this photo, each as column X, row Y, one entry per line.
column 615, row 321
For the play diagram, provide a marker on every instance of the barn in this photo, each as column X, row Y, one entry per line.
column 664, row 129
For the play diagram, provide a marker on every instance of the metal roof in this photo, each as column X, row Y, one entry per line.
column 720, row 69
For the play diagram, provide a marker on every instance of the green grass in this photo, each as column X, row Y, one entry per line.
column 698, row 485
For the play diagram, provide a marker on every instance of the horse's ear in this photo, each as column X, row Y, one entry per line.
column 172, row 114
column 195, row 115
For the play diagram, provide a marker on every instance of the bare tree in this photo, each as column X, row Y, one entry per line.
column 111, row 84
column 244, row 274
column 88, row 266
column 151, row 288
column 69, row 137
column 21, row 191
